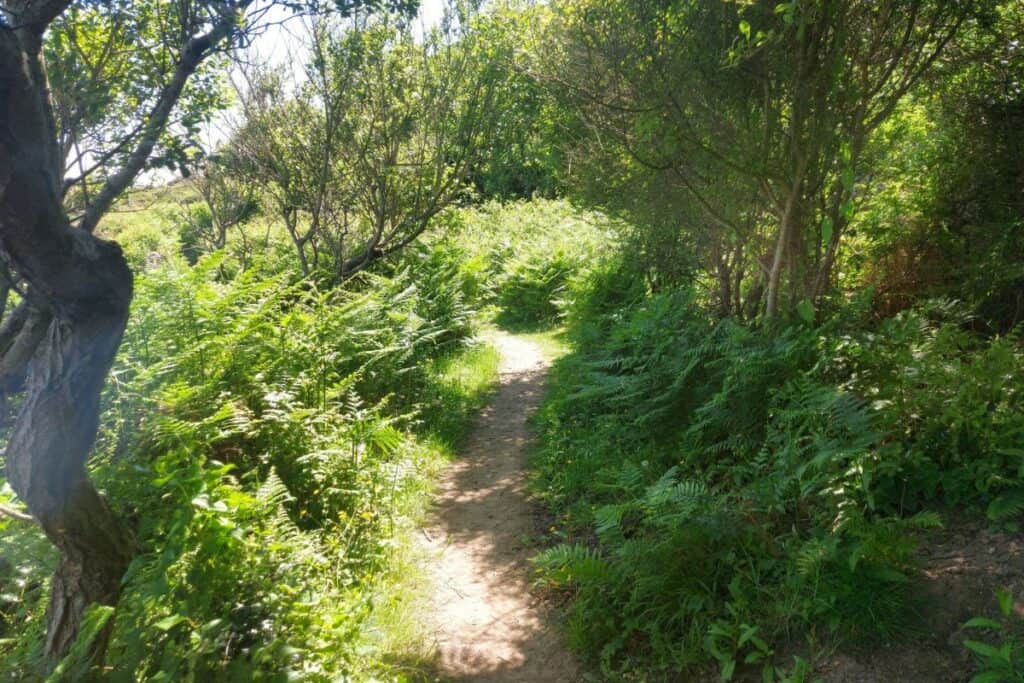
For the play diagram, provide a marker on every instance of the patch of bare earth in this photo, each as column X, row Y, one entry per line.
column 962, row 568
column 488, row 624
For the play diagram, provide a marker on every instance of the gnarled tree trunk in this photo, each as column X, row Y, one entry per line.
column 81, row 288
column 46, row 457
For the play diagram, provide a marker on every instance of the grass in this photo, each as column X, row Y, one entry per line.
column 463, row 383
column 148, row 220
column 400, row 628
column 150, row 224
column 552, row 342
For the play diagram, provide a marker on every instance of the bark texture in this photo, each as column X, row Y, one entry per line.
column 62, row 349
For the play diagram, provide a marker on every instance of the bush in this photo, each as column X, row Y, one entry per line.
column 530, row 252
column 949, row 403
column 732, row 486
column 528, row 293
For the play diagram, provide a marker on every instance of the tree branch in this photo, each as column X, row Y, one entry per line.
column 16, row 514
column 192, row 54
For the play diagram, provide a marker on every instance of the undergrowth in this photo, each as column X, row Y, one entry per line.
column 528, row 255
column 270, row 443
column 732, row 491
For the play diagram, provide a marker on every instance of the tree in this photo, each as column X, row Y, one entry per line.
column 525, row 155
column 380, row 140
column 226, row 204
column 59, row 343
column 108, row 65
column 941, row 215
column 757, row 113
column 288, row 146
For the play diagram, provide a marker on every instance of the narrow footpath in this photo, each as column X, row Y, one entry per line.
column 488, row 625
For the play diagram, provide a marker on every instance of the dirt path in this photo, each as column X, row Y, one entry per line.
column 489, row 627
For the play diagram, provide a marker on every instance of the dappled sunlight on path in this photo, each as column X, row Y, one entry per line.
column 489, row 627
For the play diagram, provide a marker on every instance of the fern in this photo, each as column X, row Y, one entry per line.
column 273, row 493
column 566, row 565
column 1007, row 505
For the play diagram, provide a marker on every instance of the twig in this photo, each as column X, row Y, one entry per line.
column 16, row 514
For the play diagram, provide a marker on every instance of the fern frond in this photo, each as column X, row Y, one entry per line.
column 1007, row 505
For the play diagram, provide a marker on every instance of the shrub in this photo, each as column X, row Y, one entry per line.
column 530, row 251
column 731, row 487
column 949, row 403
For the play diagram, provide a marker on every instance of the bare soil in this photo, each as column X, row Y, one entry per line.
column 962, row 568
column 488, row 624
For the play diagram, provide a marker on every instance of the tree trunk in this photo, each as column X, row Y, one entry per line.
column 782, row 248
column 752, row 303
column 724, row 277
column 824, row 274
column 83, row 287
column 46, row 457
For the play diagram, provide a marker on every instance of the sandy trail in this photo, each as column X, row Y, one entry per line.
column 488, row 625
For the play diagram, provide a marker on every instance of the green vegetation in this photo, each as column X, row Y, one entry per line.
column 268, row 441
column 735, row 481
column 528, row 255
column 776, row 250
column 1004, row 660
column 757, row 429
column 274, row 446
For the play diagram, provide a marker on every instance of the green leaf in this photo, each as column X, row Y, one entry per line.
column 848, row 179
column 745, row 29
column 1006, row 505
column 847, row 209
column 855, row 558
column 989, row 677
column 826, row 231
column 889, row 574
column 982, row 622
column 167, row 623
column 1005, row 598
column 806, row 311
column 747, row 633
column 983, row 649
column 846, row 152
column 787, row 10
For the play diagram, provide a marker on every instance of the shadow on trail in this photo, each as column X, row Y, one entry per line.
column 490, row 627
